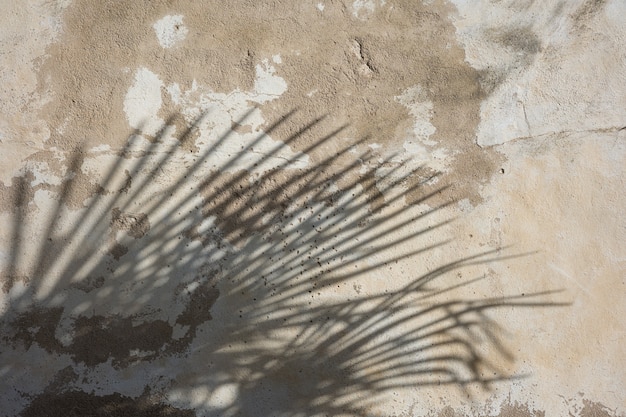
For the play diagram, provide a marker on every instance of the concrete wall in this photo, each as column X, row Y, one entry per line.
column 277, row 208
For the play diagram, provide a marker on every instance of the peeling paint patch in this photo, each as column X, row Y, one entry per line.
column 361, row 9
column 170, row 30
column 415, row 100
column 226, row 111
column 267, row 85
column 543, row 73
column 143, row 102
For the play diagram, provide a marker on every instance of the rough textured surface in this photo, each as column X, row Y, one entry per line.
column 368, row 207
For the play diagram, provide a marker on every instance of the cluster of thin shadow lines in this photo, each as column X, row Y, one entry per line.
column 260, row 275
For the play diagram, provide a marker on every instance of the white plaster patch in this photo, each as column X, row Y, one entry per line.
column 556, row 77
column 224, row 113
column 143, row 102
column 413, row 148
column 465, row 205
column 170, row 30
column 42, row 172
column 245, row 147
column 414, row 99
column 417, row 145
column 267, row 85
column 320, row 7
column 101, row 148
column 175, row 92
column 363, row 8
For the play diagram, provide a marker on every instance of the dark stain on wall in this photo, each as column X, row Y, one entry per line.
column 198, row 309
column 587, row 11
column 596, row 409
column 96, row 339
column 83, row 404
column 522, row 40
column 36, row 326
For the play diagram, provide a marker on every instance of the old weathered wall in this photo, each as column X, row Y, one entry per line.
column 276, row 208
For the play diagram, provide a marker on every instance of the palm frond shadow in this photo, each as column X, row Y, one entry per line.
column 231, row 280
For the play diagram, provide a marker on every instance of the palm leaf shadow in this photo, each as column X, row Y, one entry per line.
column 227, row 274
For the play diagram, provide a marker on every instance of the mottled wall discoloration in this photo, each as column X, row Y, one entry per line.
column 244, row 210
column 360, row 66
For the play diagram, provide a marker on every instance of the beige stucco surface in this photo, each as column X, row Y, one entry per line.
column 370, row 207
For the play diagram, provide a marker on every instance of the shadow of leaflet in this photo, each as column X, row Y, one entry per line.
column 216, row 283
